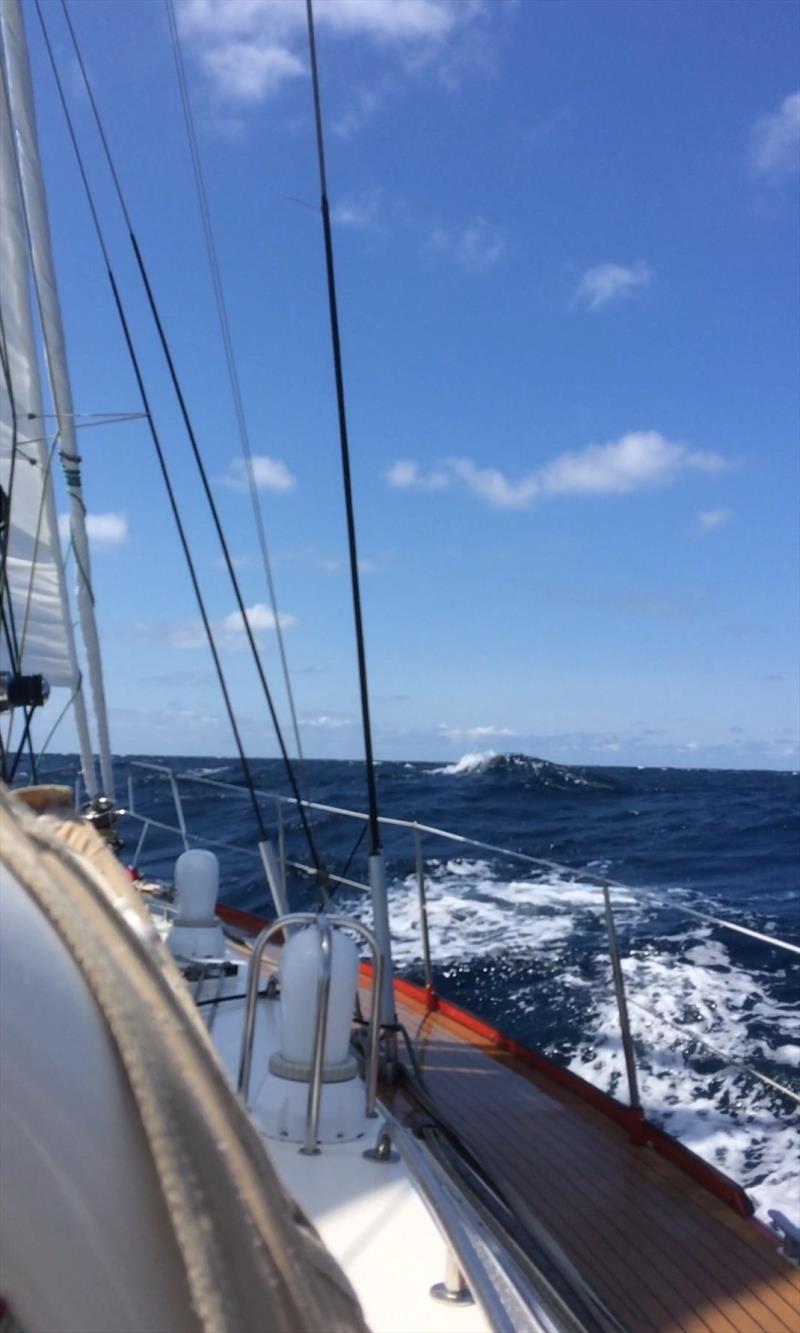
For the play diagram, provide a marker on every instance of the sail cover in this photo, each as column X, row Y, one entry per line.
column 36, row 607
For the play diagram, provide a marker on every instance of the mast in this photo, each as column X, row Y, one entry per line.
column 35, row 597
column 377, row 874
column 35, row 202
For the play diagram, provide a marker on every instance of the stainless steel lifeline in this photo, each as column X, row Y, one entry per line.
column 604, row 886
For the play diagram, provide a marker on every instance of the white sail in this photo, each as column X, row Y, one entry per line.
column 30, row 174
column 37, row 614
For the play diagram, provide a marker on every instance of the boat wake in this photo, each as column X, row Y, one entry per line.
column 531, row 955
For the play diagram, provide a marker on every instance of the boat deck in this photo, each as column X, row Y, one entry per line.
column 662, row 1251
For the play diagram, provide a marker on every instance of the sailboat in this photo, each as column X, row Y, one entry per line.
column 211, row 1121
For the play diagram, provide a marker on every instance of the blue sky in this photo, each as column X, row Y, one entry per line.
column 566, row 237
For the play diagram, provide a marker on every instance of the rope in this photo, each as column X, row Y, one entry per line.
column 230, row 359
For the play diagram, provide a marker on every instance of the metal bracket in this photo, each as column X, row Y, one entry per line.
column 382, row 1149
column 454, row 1290
column 790, row 1235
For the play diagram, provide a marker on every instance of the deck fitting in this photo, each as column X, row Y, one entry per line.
column 382, row 1149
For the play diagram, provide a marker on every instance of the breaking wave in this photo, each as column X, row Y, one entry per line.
column 523, row 766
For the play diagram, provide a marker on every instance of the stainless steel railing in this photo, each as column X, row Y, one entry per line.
column 606, row 889
column 324, row 924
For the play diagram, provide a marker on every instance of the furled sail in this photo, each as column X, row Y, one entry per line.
column 20, row 92
column 37, row 634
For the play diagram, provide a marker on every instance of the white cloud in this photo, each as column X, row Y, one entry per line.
column 328, row 721
column 259, row 617
column 709, row 519
column 250, row 71
column 775, row 141
column 360, row 211
column 101, row 529
column 250, row 48
column 363, row 107
column 611, row 282
column 637, row 461
column 269, row 474
column 405, row 475
column 228, row 632
column 478, row 245
column 182, row 634
column 488, row 483
column 472, row 733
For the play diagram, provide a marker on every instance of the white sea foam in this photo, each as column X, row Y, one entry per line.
column 687, row 983
column 470, row 915
column 559, row 893
column 477, row 762
column 726, row 1116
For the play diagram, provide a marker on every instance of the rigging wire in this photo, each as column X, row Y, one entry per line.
column 26, row 737
column 369, row 763
column 162, row 462
column 230, row 359
column 86, row 418
column 7, row 498
column 99, row 419
column 8, row 620
column 173, row 375
column 20, row 640
column 687, row 1033
column 37, row 541
column 70, row 701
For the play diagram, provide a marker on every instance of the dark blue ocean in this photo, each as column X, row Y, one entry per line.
column 525, row 946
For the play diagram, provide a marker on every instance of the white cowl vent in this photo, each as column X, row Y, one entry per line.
column 196, row 932
column 282, row 1100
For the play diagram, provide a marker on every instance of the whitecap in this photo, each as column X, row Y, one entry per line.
column 476, row 762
